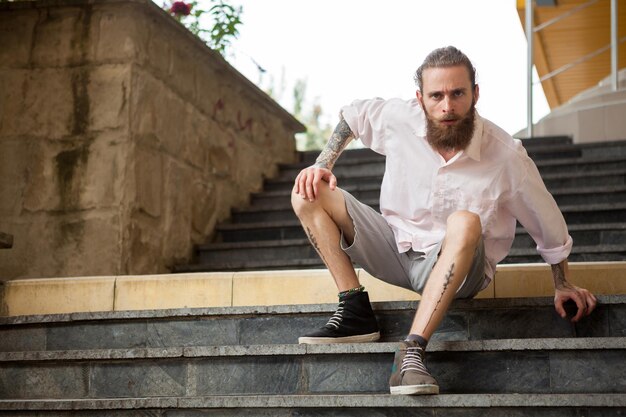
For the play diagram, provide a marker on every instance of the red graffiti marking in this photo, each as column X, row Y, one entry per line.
column 247, row 125
column 218, row 106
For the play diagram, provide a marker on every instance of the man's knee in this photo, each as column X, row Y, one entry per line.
column 298, row 203
column 464, row 228
column 302, row 206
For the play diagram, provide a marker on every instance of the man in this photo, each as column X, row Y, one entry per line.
column 453, row 188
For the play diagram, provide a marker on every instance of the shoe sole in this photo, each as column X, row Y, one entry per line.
column 414, row 389
column 361, row 338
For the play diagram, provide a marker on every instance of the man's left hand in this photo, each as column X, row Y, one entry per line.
column 585, row 301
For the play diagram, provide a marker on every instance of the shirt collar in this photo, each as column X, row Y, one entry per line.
column 473, row 149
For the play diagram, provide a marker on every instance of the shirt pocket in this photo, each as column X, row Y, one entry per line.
column 456, row 200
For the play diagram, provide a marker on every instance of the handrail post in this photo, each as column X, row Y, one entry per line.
column 614, row 46
column 529, row 81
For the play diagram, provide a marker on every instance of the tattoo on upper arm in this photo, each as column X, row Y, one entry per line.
column 336, row 144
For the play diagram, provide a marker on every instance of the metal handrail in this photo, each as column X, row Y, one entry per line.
column 564, row 15
column 578, row 61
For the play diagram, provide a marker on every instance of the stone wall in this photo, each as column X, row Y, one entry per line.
column 123, row 138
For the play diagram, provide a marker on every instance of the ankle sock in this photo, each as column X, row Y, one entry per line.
column 344, row 294
column 417, row 338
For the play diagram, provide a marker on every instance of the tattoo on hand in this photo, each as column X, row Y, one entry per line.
column 337, row 142
column 446, row 283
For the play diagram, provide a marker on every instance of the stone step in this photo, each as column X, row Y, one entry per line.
column 589, row 212
column 566, row 196
column 550, row 146
column 607, row 234
column 376, row 166
column 24, row 299
column 530, row 366
column 292, row 229
column 467, row 320
column 537, row 153
column 546, row 140
column 590, row 253
column 350, row 405
column 601, row 177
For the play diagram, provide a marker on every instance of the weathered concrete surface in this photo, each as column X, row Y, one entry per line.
column 123, row 138
column 588, row 365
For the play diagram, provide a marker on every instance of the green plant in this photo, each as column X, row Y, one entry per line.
column 317, row 133
column 224, row 19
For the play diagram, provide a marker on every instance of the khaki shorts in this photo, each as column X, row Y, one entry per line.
column 374, row 249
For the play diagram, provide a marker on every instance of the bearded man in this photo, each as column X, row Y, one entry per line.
column 454, row 186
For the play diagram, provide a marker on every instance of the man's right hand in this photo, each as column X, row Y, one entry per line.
column 309, row 178
column 307, row 181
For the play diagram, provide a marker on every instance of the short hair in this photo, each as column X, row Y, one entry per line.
column 448, row 56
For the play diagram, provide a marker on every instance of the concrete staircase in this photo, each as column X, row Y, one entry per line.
column 588, row 182
column 492, row 357
column 148, row 349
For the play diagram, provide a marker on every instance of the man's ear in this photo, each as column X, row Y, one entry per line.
column 418, row 94
column 476, row 93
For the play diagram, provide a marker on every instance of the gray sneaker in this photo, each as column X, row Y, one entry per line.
column 409, row 376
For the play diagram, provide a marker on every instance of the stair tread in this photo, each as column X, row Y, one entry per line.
column 295, row 309
column 575, row 249
column 545, row 176
column 279, row 243
column 293, row 223
column 375, row 201
column 292, row 263
column 543, row 344
column 342, row 400
column 284, row 204
column 373, row 187
column 375, row 158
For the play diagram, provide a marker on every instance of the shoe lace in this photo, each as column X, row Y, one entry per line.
column 413, row 361
column 336, row 319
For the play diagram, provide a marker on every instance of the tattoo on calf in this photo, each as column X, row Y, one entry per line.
column 314, row 243
column 337, row 142
column 446, row 283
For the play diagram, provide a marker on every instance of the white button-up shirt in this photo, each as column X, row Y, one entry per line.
column 493, row 177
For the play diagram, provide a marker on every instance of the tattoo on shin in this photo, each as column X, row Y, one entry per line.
column 446, row 283
column 337, row 142
column 314, row 243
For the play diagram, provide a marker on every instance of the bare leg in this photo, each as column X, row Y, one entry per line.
column 323, row 220
column 462, row 237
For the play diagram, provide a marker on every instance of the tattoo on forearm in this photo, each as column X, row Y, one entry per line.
column 336, row 144
column 446, row 283
column 314, row 243
column 558, row 273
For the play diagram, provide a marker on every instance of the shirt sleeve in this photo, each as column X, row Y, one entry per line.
column 365, row 118
column 534, row 207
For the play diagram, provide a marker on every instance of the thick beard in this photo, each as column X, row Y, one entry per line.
column 455, row 137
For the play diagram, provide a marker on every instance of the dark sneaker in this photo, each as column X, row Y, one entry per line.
column 409, row 376
column 353, row 322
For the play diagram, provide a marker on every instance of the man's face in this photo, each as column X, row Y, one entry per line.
column 448, row 101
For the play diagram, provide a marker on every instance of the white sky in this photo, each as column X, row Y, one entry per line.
column 349, row 49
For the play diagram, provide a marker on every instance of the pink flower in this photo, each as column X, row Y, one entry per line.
column 180, row 8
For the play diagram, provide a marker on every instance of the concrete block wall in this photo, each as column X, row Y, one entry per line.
column 123, row 138
column 594, row 115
